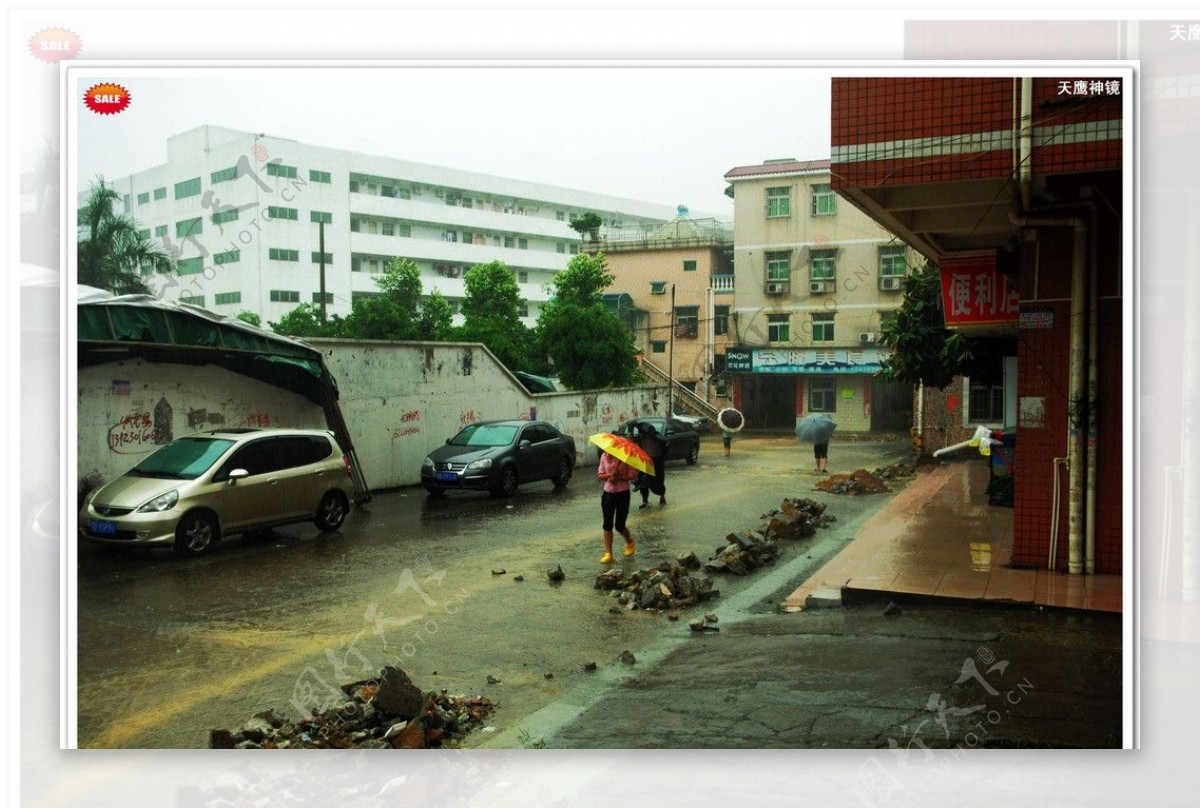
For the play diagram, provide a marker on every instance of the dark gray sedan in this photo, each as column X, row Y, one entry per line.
column 683, row 442
column 499, row 456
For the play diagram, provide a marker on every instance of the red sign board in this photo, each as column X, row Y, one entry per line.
column 976, row 293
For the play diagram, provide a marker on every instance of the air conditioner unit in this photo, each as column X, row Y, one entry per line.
column 866, row 337
column 890, row 284
column 776, row 288
column 818, row 287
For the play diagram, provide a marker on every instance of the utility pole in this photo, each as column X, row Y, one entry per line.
column 321, row 247
column 671, row 359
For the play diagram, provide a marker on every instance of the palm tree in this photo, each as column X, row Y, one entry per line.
column 111, row 251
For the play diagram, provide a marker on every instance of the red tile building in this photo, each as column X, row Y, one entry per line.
column 1014, row 187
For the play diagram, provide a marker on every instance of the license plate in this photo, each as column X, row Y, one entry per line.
column 102, row 527
column 447, row 477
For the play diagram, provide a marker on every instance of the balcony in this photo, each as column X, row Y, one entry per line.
column 721, row 283
column 437, row 250
column 381, row 207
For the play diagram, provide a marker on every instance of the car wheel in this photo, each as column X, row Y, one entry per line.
column 196, row 532
column 565, row 469
column 507, row 486
column 435, row 491
column 331, row 513
column 693, row 454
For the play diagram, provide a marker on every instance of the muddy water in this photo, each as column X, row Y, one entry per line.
column 171, row 648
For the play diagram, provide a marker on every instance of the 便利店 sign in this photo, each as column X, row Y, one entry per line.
column 976, row 293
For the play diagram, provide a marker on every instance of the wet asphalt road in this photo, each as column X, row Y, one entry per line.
column 171, row 648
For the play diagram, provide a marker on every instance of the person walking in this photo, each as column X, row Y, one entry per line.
column 614, row 503
column 727, row 441
column 821, row 456
column 650, row 441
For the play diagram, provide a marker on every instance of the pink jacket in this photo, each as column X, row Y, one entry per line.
column 615, row 474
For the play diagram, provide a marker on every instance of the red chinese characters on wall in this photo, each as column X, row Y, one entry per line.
column 976, row 293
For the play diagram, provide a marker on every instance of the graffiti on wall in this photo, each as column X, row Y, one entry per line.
column 408, row 424
column 133, row 434
column 466, row 417
column 256, row 420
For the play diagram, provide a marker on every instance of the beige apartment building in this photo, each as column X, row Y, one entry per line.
column 815, row 280
column 674, row 287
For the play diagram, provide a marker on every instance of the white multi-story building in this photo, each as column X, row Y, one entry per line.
column 240, row 213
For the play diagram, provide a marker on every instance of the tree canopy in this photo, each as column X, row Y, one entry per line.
column 589, row 346
column 925, row 350
column 111, row 252
column 492, row 308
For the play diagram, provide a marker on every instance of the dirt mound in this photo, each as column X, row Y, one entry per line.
column 860, row 481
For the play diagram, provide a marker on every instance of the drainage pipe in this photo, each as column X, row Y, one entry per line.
column 1024, row 127
column 1075, row 378
column 1093, row 372
column 1055, row 504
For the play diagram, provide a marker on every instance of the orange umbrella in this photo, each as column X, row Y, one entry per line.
column 623, row 449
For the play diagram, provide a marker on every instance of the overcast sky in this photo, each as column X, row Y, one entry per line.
column 662, row 135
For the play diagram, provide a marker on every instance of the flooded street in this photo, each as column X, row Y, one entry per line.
column 450, row 589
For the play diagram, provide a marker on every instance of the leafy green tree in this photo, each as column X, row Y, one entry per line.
column 437, row 318
column 491, row 308
column 587, row 225
column 111, row 251
column 305, row 321
column 253, row 318
column 590, row 347
column 925, row 350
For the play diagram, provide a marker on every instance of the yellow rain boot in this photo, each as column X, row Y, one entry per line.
column 630, row 548
column 607, row 558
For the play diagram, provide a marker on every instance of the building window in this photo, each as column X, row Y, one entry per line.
column 316, row 257
column 280, row 170
column 822, row 327
column 194, row 300
column 689, row 265
column 320, row 216
column 778, row 330
column 985, row 401
column 891, row 261
column 284, row 295
column 354, row 186
column 187, row 188
column 658, row 346
column 574, row 249
column 160, row 231
column 824, row 264
column 387, row 229
column 523, row 244
column 223, row 298
column 468, row 237
column 561, row 247
column 822, row 394
column 228, row 257
column 224, row 175
column 779, row 265
column 228, row 215
column 687, row 321
column 658, row 287
column 824, row 201
column 160, row 193
column 561, row 216
column 282, row 254
column 144, row 234
column 144, row 198
column 404, row 230
column 779, row 202
column 319, row 176
column 189, row 266
column 276, row 212
column 522, row 276
column 189, row 227
column 317, row 297
column 508, row 241
column 720, row 320
column 355, row 225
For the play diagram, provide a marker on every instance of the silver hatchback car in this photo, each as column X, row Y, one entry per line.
column 204, row 486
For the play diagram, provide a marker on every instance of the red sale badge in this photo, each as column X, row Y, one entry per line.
column 106, row 98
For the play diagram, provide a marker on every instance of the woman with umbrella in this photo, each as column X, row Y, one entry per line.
column 620, row 462
column 817, row 428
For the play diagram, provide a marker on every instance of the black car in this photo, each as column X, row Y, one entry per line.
column 499, row 456
column 683, row 442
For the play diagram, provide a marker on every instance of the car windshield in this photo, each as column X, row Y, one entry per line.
column 184, row 458
column 485, row 435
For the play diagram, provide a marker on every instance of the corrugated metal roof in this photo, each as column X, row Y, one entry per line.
column 777, row 167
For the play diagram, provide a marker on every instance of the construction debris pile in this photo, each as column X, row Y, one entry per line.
column 665, row 586
column 797, row 518
column 857, row 482
column 383, row 713
column 742, row 554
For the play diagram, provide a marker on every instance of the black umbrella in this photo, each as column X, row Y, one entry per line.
column 815, row 427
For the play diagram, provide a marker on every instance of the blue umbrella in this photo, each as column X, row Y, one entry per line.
column 815, row 427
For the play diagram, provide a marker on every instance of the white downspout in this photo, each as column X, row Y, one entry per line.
column 1025, row 143
column 1076, row 386
column 1093, row 372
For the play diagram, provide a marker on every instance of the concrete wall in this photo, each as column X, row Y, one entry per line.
column 399, row 400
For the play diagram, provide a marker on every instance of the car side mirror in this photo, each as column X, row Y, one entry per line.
column 525, row 444
column 236, row 475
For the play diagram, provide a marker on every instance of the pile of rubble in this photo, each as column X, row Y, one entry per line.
column 383, row 713
column 857, row 482
column 665, row 586
column 742, row 554
column 797, row 518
